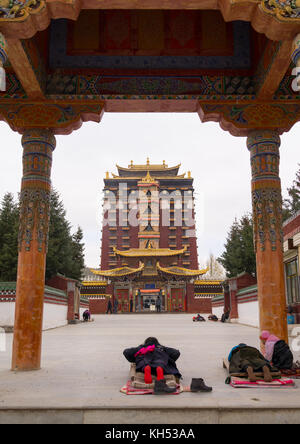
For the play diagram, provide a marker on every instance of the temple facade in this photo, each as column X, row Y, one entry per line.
column 149, row 247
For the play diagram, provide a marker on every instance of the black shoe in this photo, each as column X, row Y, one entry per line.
column 161, row 388
column 198, row 385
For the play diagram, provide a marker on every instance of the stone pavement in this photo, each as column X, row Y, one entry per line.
column 84, row 369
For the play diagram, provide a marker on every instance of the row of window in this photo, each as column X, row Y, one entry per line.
column 292, row 282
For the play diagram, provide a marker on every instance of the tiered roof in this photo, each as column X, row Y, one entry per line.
column 180, row 271
column 149, row 252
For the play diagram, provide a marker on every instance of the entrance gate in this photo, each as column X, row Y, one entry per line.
column 197, row 60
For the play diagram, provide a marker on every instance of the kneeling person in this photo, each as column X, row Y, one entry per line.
column 246, row 359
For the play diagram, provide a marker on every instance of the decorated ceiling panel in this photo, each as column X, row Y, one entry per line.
column 155, row 40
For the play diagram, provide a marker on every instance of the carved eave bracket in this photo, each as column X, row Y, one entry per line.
column 62, row 118
column 241, row 119
column 277, row 19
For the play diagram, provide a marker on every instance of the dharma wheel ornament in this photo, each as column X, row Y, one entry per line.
column 3, row 59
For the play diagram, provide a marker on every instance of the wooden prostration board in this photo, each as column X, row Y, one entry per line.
column 244, row 375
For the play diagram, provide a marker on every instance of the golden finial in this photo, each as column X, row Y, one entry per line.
column 164, row 163
column 131, row 162
column 189, row 175
column 148, row 161
column 148, row 178
column 107, row 175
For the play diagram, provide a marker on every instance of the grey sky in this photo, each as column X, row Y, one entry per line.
column 218, row 162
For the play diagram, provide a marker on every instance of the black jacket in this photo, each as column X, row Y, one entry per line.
column 282, row 356
column 164, row 357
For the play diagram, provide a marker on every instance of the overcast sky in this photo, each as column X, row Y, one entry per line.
column 218, row 162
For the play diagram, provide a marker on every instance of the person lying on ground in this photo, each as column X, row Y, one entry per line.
column 249, row 360
column 213, row 318
column 198, row 318
column 277, row 351
column 152, row 358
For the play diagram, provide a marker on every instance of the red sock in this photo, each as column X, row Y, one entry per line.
column 160, row 373
column 148, row 376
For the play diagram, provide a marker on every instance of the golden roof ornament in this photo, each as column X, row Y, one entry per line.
column 148, row 178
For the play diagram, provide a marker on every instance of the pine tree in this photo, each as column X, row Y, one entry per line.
column 77, row 255
column 59, row 256
column 9, row 224
column 65, row 252
column 239, row 255
column 292, row 205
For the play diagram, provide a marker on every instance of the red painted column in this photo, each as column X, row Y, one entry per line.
column 268, row 235
column 38, row 146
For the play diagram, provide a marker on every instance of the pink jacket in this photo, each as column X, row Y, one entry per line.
column 145, row 350
column 270, row 344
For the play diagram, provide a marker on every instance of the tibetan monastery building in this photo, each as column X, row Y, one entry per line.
column 149, row 247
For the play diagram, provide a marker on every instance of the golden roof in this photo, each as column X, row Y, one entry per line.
column 204, row 282
column 93, row 283
column 150, row 252
column 180, row 271
column 180, row 176
column 149, row 167
column 118, row 272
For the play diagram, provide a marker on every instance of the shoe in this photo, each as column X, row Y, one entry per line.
column 198, row 385
column 161, row 388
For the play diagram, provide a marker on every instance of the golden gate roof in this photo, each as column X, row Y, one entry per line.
column 149, row 252
column 118, row 272
column 180, row 271
column 208, row 282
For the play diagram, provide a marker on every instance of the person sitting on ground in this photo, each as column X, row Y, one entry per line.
column 198, row 318
column 277, row 351
column 152, row 358
column 249, row 360
column 213, row 317
column 86, row 315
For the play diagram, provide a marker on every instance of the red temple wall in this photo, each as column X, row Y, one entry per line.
column 98, row 306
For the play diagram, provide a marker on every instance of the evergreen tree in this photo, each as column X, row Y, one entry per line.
column 291, row 205
column 77, row 255
column 59, row 256
column 65, row 252
column 9, row 224
column 239, row 255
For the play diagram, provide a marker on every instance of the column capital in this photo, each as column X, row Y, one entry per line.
column 263, row 139
column 265, row 157
column 39, row 136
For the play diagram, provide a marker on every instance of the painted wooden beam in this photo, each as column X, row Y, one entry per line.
column 27, row 64
column 272, row 68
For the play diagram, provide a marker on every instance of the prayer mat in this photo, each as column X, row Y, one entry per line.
column 276, row 383
column 128, row 389
column 292, row 374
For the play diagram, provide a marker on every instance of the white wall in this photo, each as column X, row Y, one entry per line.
column 54, row 315
column 7, row 314
column 249, row 313
column 218, row 311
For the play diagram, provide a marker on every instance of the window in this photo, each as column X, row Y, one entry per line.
column 292, row 282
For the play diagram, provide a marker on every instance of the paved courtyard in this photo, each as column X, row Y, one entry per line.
column 84, row 369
